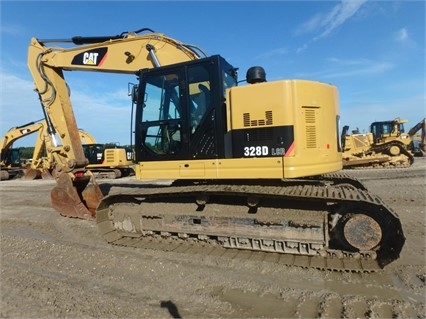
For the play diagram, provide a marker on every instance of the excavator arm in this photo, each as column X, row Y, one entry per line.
column 77, row 193
column 420, row 126
column 45, row 146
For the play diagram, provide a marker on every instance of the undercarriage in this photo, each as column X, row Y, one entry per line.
column 327, row 222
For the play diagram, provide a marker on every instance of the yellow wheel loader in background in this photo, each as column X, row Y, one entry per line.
column 253, row 166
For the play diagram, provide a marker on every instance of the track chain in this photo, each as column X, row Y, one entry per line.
column 346, row 194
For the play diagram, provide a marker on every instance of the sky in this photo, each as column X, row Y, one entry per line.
column 373, row 51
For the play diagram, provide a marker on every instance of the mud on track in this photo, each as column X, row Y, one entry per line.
column 55, row 267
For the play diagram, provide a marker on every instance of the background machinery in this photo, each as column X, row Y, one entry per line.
column 418, row 146
column 107, row 161
column 41, row 163
column 386, row 145
column 254, row 167
column 10, row 164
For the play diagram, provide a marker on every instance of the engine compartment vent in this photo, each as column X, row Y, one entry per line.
column 311, row 127
column 249, row 122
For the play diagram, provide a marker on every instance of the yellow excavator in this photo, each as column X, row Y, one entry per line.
column 104, row 161
column 254, row 166
column 41, row 163
column 10, row 163
column 109, row 161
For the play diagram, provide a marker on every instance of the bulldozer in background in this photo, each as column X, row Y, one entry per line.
column 386, row 145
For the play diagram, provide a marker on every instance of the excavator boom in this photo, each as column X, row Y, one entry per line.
column 77, row 193
column 16, row 133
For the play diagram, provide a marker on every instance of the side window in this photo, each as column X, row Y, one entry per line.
column 199, row 94
column 162, row 115
column 161, row 101
column 163, row 139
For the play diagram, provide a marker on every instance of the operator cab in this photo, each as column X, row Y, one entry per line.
column 180, row 111
column 385, row 129
column 11, row 157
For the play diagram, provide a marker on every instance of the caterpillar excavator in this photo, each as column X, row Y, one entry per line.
column 108, row 161
column 104, row 161
column 255, row 166
column 41, row 162
column 10, row 163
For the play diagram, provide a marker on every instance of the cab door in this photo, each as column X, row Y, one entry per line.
column 176, row 112
column 161, row 114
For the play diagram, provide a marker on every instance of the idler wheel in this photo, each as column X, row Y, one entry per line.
column 362, row 232
column 394, row 150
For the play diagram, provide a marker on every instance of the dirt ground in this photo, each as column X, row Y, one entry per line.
column 57, row 267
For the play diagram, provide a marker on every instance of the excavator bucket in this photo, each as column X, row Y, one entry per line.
column 76, row 197
column 31, row 174
column 45, row 174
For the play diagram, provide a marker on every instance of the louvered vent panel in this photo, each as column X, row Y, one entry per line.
column 109, row 156
column 268, row 115
column 310, row 125
column 248, row 121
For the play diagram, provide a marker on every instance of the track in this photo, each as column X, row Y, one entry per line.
column 293, row 222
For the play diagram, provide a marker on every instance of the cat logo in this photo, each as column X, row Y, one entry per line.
column 25, row 131
column 91, row 58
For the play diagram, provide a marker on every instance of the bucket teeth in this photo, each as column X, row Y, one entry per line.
column 76, row 197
